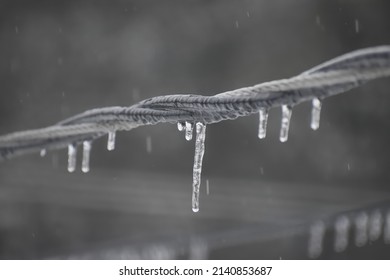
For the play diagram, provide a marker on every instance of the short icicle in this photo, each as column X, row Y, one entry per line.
column 72, row 153
column 263, row 119
column 189, row 128
column 111, row 140
column 87, row 145
column 286, row 117
column 197, row 170
column 180, row 126
column 315, row 113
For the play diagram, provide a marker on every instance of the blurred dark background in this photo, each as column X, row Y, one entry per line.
column 59, row 58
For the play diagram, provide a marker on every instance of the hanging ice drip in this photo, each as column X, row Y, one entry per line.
column 87, row 145
column 188, row 131
column 263, row 119
column 198, row 157
column 285, row 125
column 72, row 156
column 315, row 113
column 111, row 140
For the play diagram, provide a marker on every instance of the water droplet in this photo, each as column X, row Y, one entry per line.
column 207, row 187
column 375, row 225
column 72, row 153
column 149, row 144
column 198, row 158
column 361, row 224
column 316, row 239
column 189, row 128
column 263, row 118
column 286, row 117
column 111, row 140
column 43, row 153
column 318, row 20
column 342, row 225
column 87, row 145
column 261, row 170
column 315, row 113
column 180, row 126
column 357, row 29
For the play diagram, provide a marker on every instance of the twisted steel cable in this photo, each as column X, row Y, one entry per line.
column 333, row 77
column 330, row 78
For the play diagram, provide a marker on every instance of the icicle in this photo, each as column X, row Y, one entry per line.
column 317, row 234
column 361, row 224
column 87, row 145
column 43, row 153
column 286, row 116
column 315, row 113
column 180, row 126
column 189, row 128
column 111, row 141
column 263, row 118
column 342, row 233
column 197, row 170
column 72, row 153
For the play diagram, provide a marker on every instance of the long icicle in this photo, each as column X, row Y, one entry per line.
column 72, row 157
column 286, row 116
column 263, row 119
column 315, row 113
column 197, row 170
column 87, row 145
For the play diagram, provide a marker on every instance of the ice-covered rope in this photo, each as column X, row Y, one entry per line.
column 333, row 77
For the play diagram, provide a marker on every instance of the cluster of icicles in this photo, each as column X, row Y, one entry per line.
column 200, row 128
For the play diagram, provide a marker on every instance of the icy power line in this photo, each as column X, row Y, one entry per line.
column 189, row 111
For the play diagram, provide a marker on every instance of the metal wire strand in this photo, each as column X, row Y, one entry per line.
column 333, row 77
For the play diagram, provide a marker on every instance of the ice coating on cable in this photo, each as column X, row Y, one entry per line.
column 87, row 145
column 72, row 153
column 111, row 140
column 315, row 113
column 263, row 119
column 189, row 128
column 286, row 116
column 198, row 158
